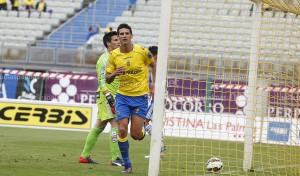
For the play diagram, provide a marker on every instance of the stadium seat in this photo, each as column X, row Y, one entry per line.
column 15, row 44
column 225, row 22
column 3, row 13
column 12, row 13
column 76, row 29
column 151, row 2
column 19, row 26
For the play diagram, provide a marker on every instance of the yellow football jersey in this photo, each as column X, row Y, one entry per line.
column 135, row 81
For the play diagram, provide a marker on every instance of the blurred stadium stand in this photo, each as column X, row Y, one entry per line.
column 54, row 40
column 17, row 28
column 222, row 33
column 72, row 34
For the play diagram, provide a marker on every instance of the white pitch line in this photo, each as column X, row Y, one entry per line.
column 256, row 169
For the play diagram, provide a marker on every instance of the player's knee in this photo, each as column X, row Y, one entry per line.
column 122, row 131
column 135, row 136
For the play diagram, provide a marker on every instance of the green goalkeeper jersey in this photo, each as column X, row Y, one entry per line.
column 101, row 73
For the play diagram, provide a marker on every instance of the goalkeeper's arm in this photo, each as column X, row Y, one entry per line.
column 102, row 86
column 110, row 99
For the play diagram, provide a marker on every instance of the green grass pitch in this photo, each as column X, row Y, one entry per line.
column 37, row 152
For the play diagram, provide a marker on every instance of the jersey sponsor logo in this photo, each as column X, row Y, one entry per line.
column 45, row 115
column 133, row 72
column 128, row 57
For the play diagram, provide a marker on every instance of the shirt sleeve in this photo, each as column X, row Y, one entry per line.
column 148, row 57
column 111, row 65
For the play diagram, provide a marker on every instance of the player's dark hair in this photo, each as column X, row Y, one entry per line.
column 124, row 25
column 153, row 50
column 107, row 37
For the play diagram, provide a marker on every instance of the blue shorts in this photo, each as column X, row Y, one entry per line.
column 127, row 105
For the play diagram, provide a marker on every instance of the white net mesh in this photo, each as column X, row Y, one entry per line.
column 208, row 67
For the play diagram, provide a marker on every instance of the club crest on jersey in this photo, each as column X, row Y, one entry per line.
column 149, row 56
column 128, row 62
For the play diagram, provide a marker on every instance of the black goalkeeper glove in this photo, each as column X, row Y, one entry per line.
column 111, row 101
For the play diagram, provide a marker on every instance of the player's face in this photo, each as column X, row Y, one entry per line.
column 125, row 36
column 114, row 43
column 155, row 58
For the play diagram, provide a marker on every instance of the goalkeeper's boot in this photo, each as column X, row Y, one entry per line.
column 117, row 162
column 87, row 160
column 127, row 171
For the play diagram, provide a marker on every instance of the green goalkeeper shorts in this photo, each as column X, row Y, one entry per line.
column 104, row 111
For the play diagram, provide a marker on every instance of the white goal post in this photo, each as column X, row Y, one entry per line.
column 252, row 84
column 160, row 86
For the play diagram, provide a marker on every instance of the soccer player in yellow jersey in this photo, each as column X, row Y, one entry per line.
column 105, row 101
column 130, row 63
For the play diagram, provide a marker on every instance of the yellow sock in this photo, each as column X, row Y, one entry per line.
column 122, row 139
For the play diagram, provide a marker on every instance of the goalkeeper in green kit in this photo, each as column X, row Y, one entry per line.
column 106, row 111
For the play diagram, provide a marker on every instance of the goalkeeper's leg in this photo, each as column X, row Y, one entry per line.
column 91, row 141
column 104, row 114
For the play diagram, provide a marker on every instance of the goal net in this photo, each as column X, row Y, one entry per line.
column 233, row 87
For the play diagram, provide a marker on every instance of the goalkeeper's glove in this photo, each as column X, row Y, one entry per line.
column 111, row 101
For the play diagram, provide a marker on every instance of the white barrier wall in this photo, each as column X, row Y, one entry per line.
column 207, row 126
column 230, row 127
